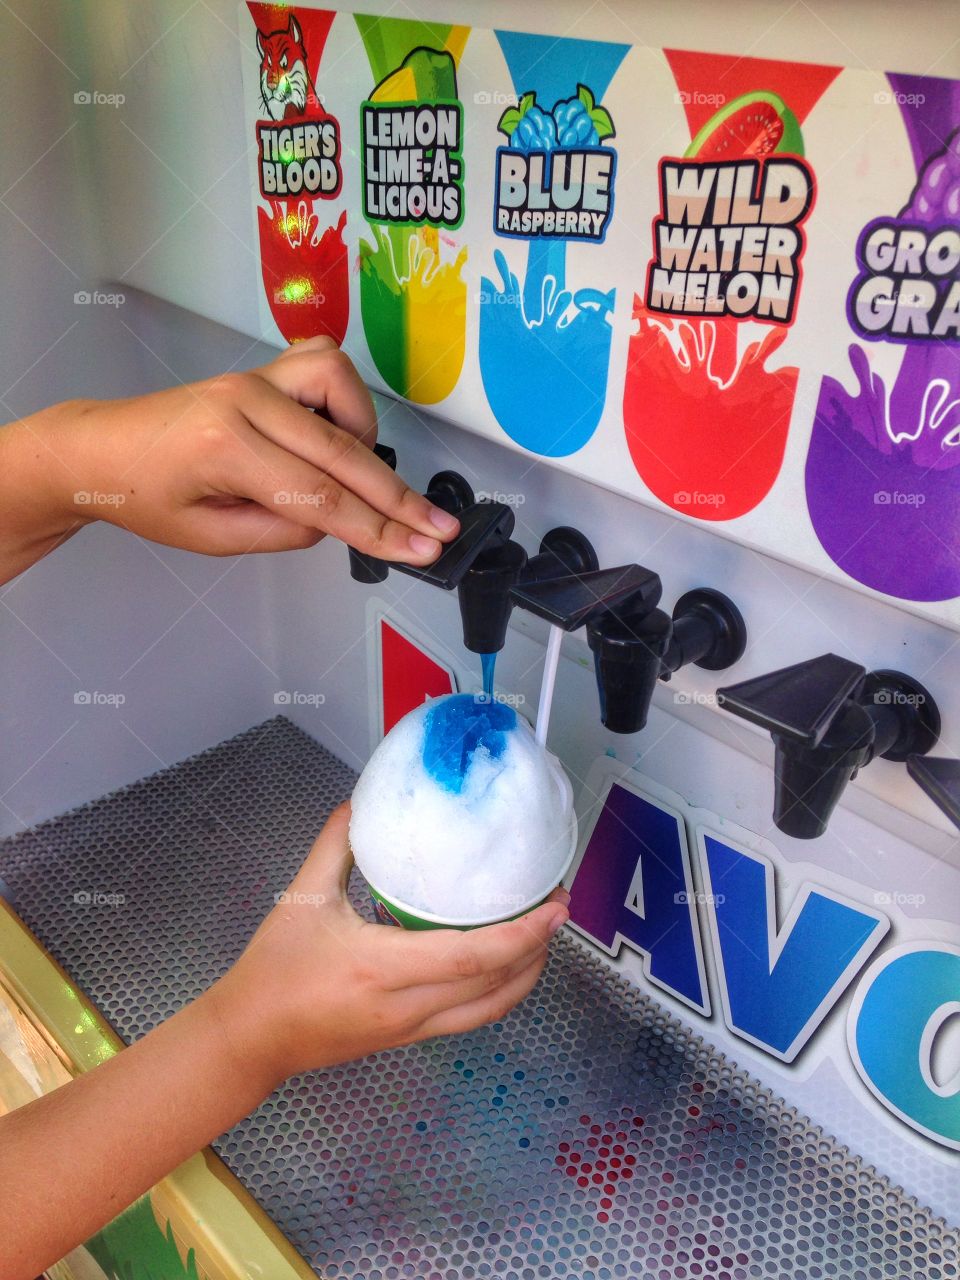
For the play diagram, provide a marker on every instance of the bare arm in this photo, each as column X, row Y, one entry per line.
column 316, row 986
column 235, row 464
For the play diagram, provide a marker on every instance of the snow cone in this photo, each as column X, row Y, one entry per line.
column 460, row 817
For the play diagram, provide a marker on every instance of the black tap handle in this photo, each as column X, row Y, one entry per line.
column 571, row 601
column 939, row 777
column 798, row 703
column 708, row 630
column 563, row 551
column 366, row 568
column 450, row 492
column 482, row 526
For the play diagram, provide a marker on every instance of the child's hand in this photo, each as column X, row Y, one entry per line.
column 318, row 985
column 235, row 464
column 315, row 986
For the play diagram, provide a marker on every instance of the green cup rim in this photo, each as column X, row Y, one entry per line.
column 390, row 900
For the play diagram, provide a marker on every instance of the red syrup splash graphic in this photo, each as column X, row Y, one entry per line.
column 706, row 430
column 700, row 424
column 305, row 273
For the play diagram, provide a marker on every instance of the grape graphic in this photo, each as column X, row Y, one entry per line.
column 936, row 197
column 574, row 126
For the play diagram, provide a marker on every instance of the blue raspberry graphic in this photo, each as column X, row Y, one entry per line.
column 536, row 131
column 575, row 128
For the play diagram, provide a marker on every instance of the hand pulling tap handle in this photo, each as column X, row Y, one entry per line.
column 451, row 492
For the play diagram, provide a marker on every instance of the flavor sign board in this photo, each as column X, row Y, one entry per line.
column 725, row 286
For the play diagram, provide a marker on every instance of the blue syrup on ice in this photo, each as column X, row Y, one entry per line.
column 456, row 728
column 488, row 662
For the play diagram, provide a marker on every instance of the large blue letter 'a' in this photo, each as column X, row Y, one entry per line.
column 634, row 886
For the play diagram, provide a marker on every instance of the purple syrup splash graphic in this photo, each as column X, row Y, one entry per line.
column 883, row 471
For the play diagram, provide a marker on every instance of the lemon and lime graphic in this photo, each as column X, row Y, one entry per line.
column 413, row 298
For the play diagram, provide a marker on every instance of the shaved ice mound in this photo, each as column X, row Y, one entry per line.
column 460, row 817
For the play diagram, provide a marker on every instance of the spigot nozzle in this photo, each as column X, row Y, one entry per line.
column 484, row 597
column 628, row 653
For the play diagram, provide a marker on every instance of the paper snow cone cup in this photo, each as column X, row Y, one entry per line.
column 461, row 819
column 389, row 911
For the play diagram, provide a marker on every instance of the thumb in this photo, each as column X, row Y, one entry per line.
column 326, row 868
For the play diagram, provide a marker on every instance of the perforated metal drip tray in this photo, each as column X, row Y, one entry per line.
column 589, row 1135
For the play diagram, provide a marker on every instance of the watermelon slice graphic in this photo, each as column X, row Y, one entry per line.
column 755, row 124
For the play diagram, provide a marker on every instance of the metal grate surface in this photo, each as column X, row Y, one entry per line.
column 589, row 1135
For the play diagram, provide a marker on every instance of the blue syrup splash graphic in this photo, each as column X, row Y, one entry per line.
column 458, row 727
column 488, row 662
column 554, row 409
column 531, row 321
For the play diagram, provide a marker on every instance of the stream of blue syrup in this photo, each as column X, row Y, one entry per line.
column 488, row 662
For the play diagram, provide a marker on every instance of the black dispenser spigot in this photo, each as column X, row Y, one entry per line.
column 634, row 643
column 939, row 777
column 829, row 718
column 487, row 592
column 636, row 646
